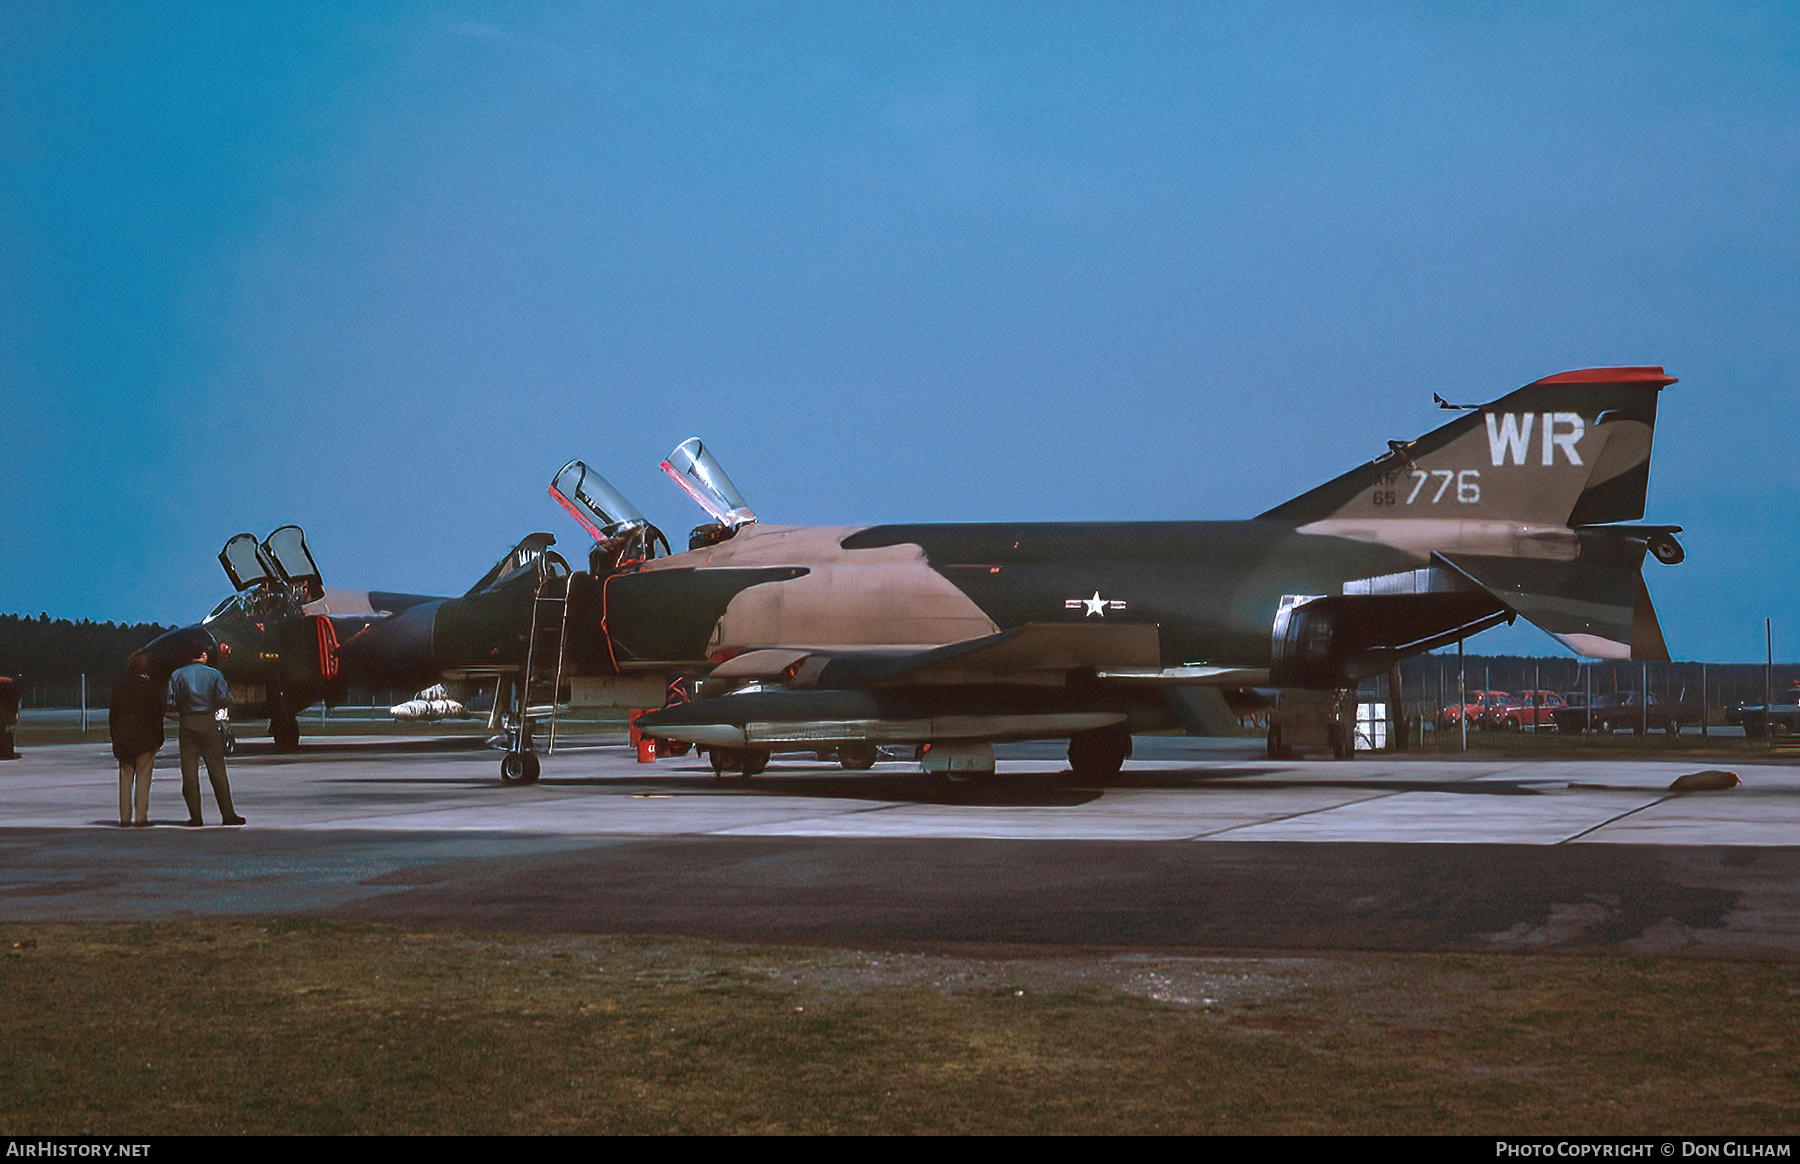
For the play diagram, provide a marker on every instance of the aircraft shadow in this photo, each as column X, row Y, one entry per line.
column 1024, row 789
column 257, row 749
column 1036, row 790
column 1028, row 790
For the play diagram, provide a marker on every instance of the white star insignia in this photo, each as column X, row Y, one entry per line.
column 1095, row 605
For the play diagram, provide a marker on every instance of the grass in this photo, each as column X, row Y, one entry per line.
column 1551, row 745
column 317, row 1027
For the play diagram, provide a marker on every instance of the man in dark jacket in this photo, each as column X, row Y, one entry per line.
column 197, row 693
column 134, row 715
column 9, row 717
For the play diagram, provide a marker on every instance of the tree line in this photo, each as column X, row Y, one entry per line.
column 58, row 651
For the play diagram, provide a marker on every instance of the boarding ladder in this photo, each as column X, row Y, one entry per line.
column 545, row 650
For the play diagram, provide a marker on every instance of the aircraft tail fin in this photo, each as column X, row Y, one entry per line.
column 1532, row 499
column 1568, row 450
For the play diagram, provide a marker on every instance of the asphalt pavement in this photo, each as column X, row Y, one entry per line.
column 1198, row 846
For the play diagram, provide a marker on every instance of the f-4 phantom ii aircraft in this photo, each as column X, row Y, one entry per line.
column 277, row 638
column 958, row 636
column 765, row 637
column 284, row 641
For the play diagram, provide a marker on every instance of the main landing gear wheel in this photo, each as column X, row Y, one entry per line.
column 1098, row 755
column 858, row 757
column 519, row 768
column 738, row 761
column 1343, row 740
column 284, row 727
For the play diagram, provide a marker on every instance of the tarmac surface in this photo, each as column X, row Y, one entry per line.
column 1199, row 846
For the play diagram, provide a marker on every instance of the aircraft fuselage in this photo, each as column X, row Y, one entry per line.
column 1210, row 589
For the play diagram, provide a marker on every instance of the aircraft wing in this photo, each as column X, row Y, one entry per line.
column 871, row 693
column 1034, row 652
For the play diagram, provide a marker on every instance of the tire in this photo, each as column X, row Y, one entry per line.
column 519, row 768
column 728, row 762
column 858, row 757
column 284, row 724
column 1098, row 755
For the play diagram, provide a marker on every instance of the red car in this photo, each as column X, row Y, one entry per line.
column 1479, row 701
column 1534, row 709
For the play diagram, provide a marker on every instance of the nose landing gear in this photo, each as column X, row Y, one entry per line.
column 520, row 763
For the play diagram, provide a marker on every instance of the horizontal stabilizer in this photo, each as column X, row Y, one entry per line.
column 1596, row 605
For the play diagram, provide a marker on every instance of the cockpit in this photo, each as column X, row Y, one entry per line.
column 275, row 577
column 700, row 475
column 622, row 536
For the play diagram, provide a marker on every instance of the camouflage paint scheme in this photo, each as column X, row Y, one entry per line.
column 965, row 634
column 1521, row 507
column 277, row 640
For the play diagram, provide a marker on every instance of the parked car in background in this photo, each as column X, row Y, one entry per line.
column 1525, row 709
column 1573, row 717
column 1782, row 714
column 1452, row 717
column 1630, row 710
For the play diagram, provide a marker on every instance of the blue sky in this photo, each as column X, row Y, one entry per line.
column 379, row 269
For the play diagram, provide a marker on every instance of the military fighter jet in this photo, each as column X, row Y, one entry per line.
column 950, row 638
column 276, row 639
column 955, row 637
column 284, row 641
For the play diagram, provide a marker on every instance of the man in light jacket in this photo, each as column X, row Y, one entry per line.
column 197, row 693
